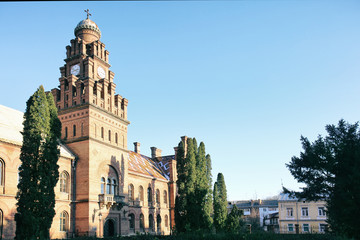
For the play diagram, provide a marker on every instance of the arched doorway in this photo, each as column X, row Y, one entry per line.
column 109, row 228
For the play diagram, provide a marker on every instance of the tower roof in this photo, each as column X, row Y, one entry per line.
column 87, row 30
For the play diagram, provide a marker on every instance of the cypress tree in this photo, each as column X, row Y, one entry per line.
column 193, row 207
column 39, row 170
column 233, row 220
column 220, row 203
column 180, row 201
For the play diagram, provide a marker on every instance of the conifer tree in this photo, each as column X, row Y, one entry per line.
column 220, row 203
column 180, row 201
column 39, row 170
column 192, row 209
column 233, row 220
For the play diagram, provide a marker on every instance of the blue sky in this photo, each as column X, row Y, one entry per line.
column 247, row 78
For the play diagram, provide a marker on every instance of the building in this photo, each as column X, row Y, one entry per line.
column 301, row 216
column 256, row 211
column 104, row 189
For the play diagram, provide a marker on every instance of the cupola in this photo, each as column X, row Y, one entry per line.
column 87, row 30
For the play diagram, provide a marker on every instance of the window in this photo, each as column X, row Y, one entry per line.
column 131, row 192
column 132, row 221
column 165, row 197
column 151, row 222
column 82, row 129
column 109, row 136
column 103, row 185
column 74, row 130
column 290, row 227
column 305, row 227
column 66, row 132
column 64, row 219
column 158, row 222
column 116, row 138
column 289, row 212
column 157, row 196
column 304, row 212
column 2, row 171
column 166, row 221
column 114, row 187
column 108, row 186
column 74, row 91
column 102, row 132
column 149, row 193
column 322, row 227
column 321, row 211
column 64, row 182
column 141, row 193
column 142, row 222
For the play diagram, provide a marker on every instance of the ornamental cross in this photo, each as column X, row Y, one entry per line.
column 87, row 12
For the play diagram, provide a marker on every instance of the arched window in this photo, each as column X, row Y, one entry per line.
column 82, row 88
column 131, row 192
column 109, row 136
column 114, row 187
column 102, row 132
column 157, row 196
column 66, row 84
column 142, row 222
column 151, row 222
column 74, row 130
column 2, row 171
column 103, row 185
column 158, row 222
column 66, row 132
column 132, row 221
column 166, row 221
column 64, row 220
column 82, row 129
column 116, row 138
column 108, row 186
column 141, row 193
column 74, row 91
column 165, row 197
column 149, row 194
column 64, row 182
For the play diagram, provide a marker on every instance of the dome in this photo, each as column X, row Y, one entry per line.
column 87, row 30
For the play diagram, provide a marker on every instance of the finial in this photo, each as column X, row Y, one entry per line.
column 87, row 12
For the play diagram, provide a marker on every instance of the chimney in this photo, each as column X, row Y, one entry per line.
column 137, row 147
column 155, row 152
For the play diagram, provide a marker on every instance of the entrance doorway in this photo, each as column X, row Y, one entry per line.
column 109, row 228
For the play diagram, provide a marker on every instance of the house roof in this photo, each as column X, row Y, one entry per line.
column 255, row 203
column 11, row 125
column 147, row 166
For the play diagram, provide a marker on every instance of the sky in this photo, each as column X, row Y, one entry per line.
column 247, row 78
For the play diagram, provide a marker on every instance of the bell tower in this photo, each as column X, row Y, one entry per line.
column 94, row 127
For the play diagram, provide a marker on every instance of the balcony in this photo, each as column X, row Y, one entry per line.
column 110, row 200
column 134, row 203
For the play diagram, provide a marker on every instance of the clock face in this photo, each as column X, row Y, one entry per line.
column 75, row 70
column 101, row 72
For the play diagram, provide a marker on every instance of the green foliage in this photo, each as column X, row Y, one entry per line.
column 192, row 208
column 39, row 170
column 220, row 203
column 234, row 221
column 330, row 169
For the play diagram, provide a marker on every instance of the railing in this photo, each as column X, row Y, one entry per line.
column 110, row 199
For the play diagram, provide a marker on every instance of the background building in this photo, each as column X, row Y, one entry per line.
column 301, row 216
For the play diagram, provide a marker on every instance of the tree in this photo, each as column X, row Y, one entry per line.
column 233, row 220
column 39, row 170
column 330, row 169
column 220, row 203
column 192, row 210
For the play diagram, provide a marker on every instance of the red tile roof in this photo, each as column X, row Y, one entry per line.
column 144, row 165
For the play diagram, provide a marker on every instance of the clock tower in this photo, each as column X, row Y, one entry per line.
column 94, row 127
